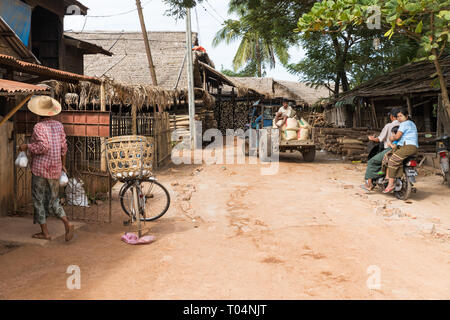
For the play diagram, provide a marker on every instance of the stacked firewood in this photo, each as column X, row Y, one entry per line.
column 317, row 119
column 227, row 119
column 350, row 143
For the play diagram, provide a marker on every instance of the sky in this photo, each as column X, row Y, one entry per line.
column 209, row 15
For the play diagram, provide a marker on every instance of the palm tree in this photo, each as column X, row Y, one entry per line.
column 253, row 49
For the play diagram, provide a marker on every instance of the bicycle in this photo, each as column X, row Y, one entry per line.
column 142, row 197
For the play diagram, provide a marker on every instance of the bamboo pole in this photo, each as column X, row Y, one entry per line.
column 134, row 119
column 15, row 109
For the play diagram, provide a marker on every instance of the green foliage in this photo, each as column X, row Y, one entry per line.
column 362, row 62
column 425, row 21
column 177, row 7
column 256, row 47
column 250, row 70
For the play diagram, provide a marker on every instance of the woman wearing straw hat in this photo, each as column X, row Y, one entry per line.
column 48, row 148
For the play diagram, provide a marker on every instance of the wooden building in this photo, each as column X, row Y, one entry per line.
column 34, row 29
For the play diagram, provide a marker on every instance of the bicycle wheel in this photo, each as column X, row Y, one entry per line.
column 154, row 200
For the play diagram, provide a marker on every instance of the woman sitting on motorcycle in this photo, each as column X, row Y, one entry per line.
column 408, row 143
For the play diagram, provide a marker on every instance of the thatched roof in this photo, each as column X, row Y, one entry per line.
column 129, row 61
column 85, row 93
column 301, row 93
column 412, row 78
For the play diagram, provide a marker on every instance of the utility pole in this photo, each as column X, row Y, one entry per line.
column 190, row 77
column 147, row 45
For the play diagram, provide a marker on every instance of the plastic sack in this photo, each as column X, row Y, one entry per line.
column 304, row 134
column 292, row 123
column 75, row 194
column 303, row 124
column 22, row 160
column 63, row 180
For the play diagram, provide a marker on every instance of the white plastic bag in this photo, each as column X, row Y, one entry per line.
column 63, row 180
column 22, row 160
column 76, row 196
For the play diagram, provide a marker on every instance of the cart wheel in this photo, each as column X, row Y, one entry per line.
column 309, row 154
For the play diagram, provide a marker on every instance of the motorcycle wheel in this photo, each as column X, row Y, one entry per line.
column 404, row 193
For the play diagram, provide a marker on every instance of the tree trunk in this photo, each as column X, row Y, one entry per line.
column 443, row 84
column 336, row 86
column 258, row 59
column 340, row 63
column 343, row 76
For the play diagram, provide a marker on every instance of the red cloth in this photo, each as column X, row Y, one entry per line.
column 199, row 48
column 48, row 144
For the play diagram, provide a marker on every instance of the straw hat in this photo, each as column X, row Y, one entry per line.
column 44, row 106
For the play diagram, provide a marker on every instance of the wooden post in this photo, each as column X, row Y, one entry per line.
column 372, row 104
column 439, row 124
column 147, row 45
column 134, row 119
column 102, row 140
column 233, row 102
column 427, row 116
column 410, row 110
column 204, row 80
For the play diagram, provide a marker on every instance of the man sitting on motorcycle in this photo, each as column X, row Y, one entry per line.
column 374, row 164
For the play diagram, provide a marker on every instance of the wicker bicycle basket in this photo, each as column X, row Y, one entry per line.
column 130, row 157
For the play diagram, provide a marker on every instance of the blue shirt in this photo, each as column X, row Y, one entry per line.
column 410, row 135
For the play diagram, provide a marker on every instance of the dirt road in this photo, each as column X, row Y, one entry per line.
column 307, row 233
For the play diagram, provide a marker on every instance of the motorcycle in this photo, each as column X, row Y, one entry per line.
column 404, row 185
column 443, row 150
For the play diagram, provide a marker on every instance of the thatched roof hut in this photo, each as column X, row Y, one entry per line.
column 412, row 79
column 413, row 85
column 299, row 92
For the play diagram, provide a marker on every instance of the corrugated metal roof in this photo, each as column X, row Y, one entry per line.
column 50, row 73
column 15, row 86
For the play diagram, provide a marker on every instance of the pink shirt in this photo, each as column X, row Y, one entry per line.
column 48, row 144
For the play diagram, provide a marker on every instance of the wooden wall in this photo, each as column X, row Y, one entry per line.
column 6, row 168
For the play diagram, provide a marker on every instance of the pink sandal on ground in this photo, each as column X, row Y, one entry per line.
column 389, row 190
column 132, row 238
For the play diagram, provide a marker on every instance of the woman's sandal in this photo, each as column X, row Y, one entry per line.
column 389, row 190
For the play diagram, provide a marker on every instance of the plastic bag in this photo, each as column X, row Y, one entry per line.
column 76, row 196
column 63, row 180
column 22, row 160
